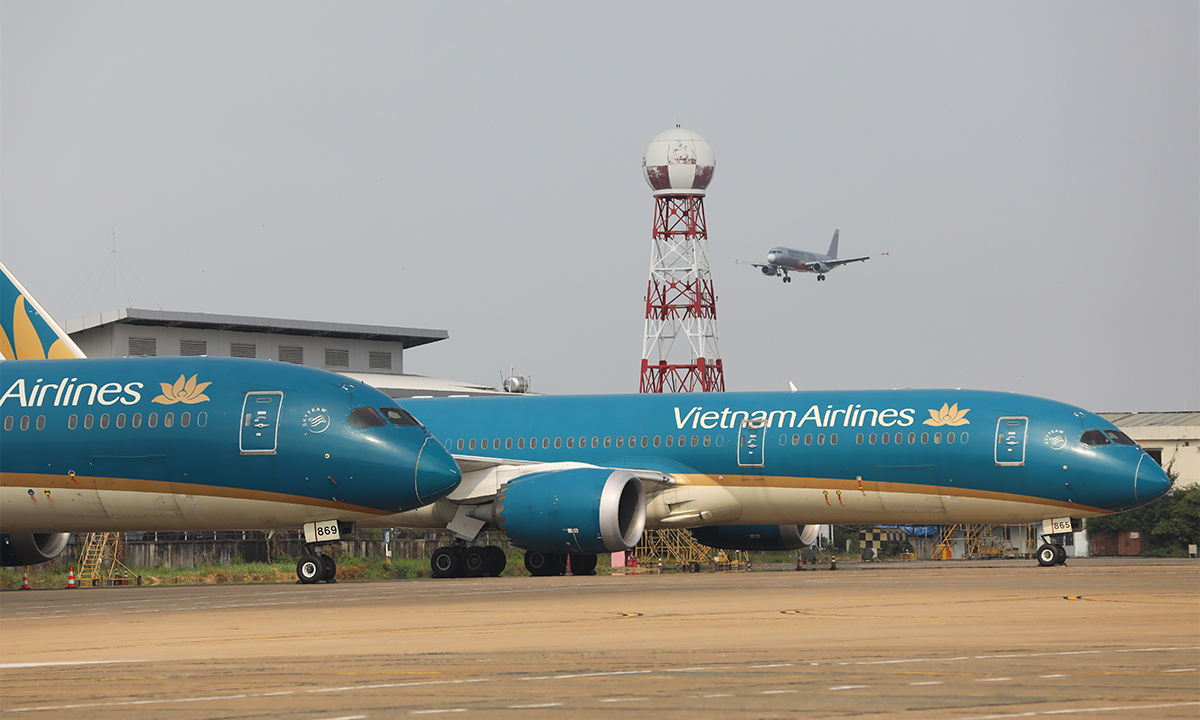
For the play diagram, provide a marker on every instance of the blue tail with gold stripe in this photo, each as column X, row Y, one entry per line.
column 29, row 333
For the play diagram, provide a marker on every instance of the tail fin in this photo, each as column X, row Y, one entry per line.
column 833, row 246
column 29, row 333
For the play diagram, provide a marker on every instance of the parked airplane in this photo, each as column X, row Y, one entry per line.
column 177, row 444
column 781, row 260
column 583, row 475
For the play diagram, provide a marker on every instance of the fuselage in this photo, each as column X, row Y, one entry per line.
column 204, row 444
column 795, row 260
column 908, row 456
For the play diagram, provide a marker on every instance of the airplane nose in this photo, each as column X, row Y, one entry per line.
column 1150, row 482
column 437, row 474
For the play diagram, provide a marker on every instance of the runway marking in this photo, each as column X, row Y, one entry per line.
column 695, row 669
column 1180, row 670
column 778, row 692
column 931, row 682
column 1053, row 676
column 849, row 687
column 437, row 712
column 772, row 666
column 347, row 717
column 584, row 675
column 381, row 686
column 1072, row 711
column 992, row 679
column 11, row 666
column 534, row 707
column 631, row 615
column 612, row 700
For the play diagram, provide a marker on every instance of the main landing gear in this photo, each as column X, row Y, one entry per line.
column 1050, row 554
column 545, row 564
column 315, row 567
column 461, row 560
column 820, row 278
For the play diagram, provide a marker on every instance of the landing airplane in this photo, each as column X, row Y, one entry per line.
column 576, row 476
column 200, row 444
column 781, row 260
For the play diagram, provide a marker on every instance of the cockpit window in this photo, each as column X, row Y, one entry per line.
column 1093, row 437
column 399, row 416
column 365, row 417
column 1119, row 437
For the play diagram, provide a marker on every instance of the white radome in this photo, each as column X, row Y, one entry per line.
column 678, row 162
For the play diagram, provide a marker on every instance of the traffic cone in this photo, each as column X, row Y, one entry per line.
column 833, row 563
column 25, row 580
column 799, row 566
column 71, row 579
column 568, row 572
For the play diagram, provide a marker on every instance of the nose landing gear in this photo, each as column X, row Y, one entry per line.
column 1050, row 554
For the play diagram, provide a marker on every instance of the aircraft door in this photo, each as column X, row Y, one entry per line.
column 1010, row 440
column 751, row 440
column 260, row 422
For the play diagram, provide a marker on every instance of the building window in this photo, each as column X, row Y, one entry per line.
column 291, row 354
column 242, row 350
column 379, row 360
column 1154, row 453
column 143, row 347
column 193, row 348
column 337, row 358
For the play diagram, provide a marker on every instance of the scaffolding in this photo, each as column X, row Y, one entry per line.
column 674, row 548
column 100, row 558
column 981, row 542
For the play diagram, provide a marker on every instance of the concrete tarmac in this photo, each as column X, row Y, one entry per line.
column 899, row 640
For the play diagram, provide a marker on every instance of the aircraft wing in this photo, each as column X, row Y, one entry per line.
column 816, row 266
column 483, row 476
column 757, row 265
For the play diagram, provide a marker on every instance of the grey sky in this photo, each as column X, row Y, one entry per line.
column 1032, row 168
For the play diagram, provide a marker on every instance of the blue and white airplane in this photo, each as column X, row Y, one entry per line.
column 781, row 260
column 586, row 475
column 202, row 443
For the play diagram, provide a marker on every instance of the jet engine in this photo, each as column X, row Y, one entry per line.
column 581, row 510
column 31, row 548
column 756, row 537
column 770, row 270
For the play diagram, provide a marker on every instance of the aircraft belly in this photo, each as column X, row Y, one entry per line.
column 39, row 512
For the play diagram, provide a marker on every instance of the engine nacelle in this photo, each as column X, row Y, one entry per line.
column 31, row 548
column 757, row 537
column 583, row 510
column 770, row 270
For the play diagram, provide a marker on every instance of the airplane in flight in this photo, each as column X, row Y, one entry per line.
column 781, row 261
column 576, row 476
column 194, row 443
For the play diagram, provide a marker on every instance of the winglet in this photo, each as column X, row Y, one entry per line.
column 29, row 333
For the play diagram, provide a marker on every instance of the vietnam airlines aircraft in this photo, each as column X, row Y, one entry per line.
column 781, row 260
column 586, row 475
column 194, row 444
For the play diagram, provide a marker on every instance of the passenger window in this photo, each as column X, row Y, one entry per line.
column 399, row 417
column 461, row 444
column 925, row 438
column 137, row 420
column 885, row 438
column 706, row 440
column 104, row 421
column 670, row 440
column 41, row 422
column 937, row 438
column 950, row 438
column 607, row 442
column 820, row 438
column 8, row 423
column 201, row 419
column 449, row 444
column 184, row 420
column 621, row 441
column 151, row 421
column 859, row 439
column 645, row 441
column 520, row 443
column 833, row 439
column 25, row 422
column 912, row 438
column 121, row 420
column 1119, row 437
column 72, row 422
column 962, row 439
column 808, row 439
column 364, row 417
column 570, row 443
column 471, row 444
column 87, row 422
column 632, row 441
column 782, row 440
column 871, row 440
column 545, row 443
column 508, row 443
column 796, row 439
column 596, row 442
column 1093, row 437
column 557, row 443
column 695, row 440
column 483, row 443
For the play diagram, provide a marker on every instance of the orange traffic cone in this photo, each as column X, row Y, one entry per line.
column 71, row 579
column 833, row 563
column 25, row 580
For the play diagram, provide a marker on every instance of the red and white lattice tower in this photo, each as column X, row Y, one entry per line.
column 681, row 307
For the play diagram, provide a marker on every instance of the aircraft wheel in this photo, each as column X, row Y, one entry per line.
column 499, row 560
column 583, row 564
column 476, row 562
column 310, row 569
column 540, row 564
column 445, row 563
column 1060, row 554
column 330, row 569
column 1047, row 555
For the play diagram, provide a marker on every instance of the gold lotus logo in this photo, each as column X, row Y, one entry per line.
column 26, row 343
column 187, row 391
column 948, row 415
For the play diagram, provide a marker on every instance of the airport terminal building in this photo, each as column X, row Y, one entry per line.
column 373, row 354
